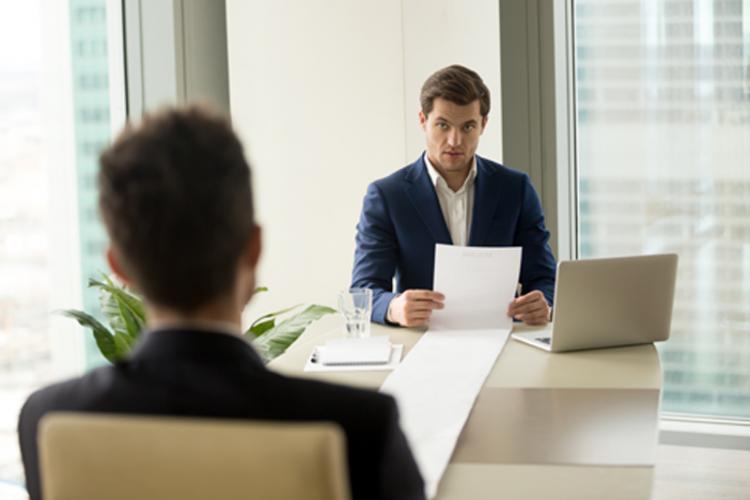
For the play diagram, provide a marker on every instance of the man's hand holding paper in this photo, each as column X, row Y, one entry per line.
column 531, row 308
column 471, row 289
column 414, row 307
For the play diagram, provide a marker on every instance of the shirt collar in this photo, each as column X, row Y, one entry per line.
column 438, row 181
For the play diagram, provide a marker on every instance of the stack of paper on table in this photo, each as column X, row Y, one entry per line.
column 437, row 384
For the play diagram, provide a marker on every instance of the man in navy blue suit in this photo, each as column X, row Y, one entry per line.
column 450, row 195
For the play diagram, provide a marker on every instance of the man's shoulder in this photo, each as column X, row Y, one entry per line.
column 412, row 170
column 287, row 398
column 77, row 394
column 500, row 171
column 400, row 176
column 69, row 395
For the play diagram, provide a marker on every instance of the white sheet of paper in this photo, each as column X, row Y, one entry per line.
column 478, row 283
column 438, row 382
column 435, row 387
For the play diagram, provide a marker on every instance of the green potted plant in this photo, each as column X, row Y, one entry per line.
column 125, row 315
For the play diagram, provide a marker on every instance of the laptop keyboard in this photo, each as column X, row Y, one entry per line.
column 544, row 340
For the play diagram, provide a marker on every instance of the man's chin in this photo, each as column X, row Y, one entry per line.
column 454, row 160
column 455, row 167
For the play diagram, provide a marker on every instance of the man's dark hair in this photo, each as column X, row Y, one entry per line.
column 175, row 196
column 456, row 84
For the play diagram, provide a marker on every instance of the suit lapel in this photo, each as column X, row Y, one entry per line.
column 486, row 199
column 422, row 194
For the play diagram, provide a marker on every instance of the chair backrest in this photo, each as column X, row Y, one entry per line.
column 85, row 456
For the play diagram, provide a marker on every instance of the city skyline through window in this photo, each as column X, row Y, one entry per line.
column 54, row 119
column 663, row 125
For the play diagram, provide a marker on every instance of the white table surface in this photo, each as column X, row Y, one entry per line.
column 579, row 425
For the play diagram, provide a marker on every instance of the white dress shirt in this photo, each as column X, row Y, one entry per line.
column 456, row 206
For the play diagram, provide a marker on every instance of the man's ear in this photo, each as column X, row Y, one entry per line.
column 422, row 120
column 116, row 267
column 254, row 247
column 484, row 122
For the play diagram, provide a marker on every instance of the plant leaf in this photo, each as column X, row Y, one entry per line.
column 273, row 315
column 260, row 289
column 257, row 329
column 133, row 301
column 123, row 344
column 104, row 338
column 276, row 340
column 108, row 306
column 124, row 311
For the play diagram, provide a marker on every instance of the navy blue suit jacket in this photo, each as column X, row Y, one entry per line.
column 401, row 222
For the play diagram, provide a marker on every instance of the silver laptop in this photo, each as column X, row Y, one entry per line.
column 609, row 302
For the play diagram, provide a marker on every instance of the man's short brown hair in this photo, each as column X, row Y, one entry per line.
column 175, row 196
column 456, row 84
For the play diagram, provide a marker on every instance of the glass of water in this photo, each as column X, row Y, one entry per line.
column 356, row 305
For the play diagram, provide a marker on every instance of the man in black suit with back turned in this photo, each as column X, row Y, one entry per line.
column 175, row 196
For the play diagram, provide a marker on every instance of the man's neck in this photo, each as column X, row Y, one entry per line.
column 221, row 316
column 456, row 178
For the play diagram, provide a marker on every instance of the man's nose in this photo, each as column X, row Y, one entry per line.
column 454, row 138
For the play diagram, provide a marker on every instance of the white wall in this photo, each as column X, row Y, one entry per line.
column 325, row 96
column 438, row 33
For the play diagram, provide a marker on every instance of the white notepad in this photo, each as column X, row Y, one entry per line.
column 312, row 364
column 366, row 351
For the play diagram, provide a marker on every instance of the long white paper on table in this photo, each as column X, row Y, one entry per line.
column 437, row 383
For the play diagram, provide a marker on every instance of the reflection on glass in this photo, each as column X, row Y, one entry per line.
column 663, row 95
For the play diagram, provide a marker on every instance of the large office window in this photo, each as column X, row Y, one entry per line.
column 663, row 126
column 56, row 93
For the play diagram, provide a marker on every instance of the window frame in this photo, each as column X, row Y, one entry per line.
column 175, row 52
column 538, row 94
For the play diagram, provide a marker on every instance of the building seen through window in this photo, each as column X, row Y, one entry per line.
column 54, row 120
column 663, row 118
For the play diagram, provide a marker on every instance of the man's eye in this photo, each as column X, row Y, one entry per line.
column 469, row 128
column 442, row 126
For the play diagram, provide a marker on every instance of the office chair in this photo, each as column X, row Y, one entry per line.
column 85, row 456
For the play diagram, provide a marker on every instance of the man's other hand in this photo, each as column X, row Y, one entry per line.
column 531, row 308
column 414, row 307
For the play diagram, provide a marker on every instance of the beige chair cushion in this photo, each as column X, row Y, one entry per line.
column 117, row 457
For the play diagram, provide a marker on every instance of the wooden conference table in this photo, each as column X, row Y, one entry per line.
column 579, row 425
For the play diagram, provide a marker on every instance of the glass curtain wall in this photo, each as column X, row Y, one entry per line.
column 54, row 120
column 663, row 128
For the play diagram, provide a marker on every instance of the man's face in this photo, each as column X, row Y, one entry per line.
column 452, row 134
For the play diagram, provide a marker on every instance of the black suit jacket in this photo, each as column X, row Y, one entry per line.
column 206, row 374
